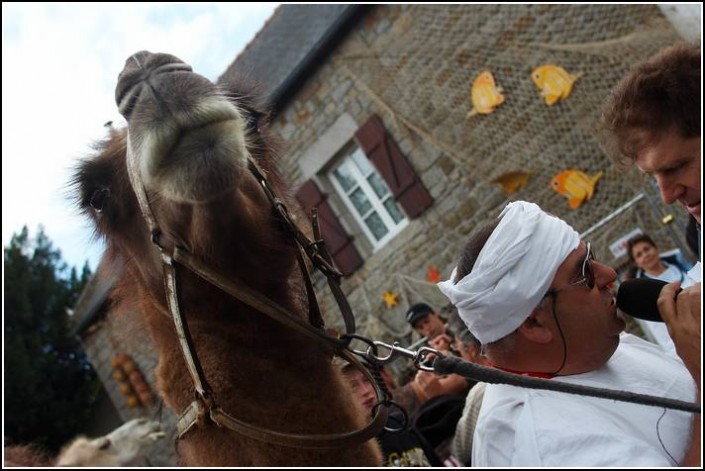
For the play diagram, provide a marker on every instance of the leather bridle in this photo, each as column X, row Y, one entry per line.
column 204, row 407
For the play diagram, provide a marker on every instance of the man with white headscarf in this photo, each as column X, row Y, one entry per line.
column 532, row 293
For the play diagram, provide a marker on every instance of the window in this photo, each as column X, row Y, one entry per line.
column 373, row 187
column 367, row 197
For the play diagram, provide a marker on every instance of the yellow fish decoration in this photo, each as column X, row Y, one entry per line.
column 512, row 181
column 485, row 94
column 575, row 185
column 554, row 82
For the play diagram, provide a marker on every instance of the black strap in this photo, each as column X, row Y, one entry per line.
column 453, row 365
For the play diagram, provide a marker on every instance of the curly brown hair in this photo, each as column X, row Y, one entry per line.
column 659, row 95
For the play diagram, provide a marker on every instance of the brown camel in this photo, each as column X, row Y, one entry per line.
column 190, row 146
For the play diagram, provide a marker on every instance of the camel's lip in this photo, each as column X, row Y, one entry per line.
column 161, row 141
column 209, row 111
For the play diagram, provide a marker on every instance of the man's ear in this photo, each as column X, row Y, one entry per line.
column 475, row 354
column 536, row 327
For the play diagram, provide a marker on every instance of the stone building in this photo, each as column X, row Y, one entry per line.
column 378, row 137
column 373, row 103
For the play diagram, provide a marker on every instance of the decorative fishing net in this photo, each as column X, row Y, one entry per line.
column 415, row 64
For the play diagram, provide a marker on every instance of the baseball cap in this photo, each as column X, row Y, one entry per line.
column 418, row 311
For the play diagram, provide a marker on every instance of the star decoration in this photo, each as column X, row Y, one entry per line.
column 433, row 275
column 390, row 299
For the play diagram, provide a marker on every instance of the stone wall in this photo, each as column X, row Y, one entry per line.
column 120, row 331
column 413, row 66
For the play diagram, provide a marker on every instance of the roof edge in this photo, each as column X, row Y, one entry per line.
column 332, row 37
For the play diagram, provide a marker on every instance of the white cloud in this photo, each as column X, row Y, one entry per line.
column 60, row 63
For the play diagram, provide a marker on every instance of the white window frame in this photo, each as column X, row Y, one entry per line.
column 394, row 228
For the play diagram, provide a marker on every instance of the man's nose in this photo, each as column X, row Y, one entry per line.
column 670, row 190
column 368, row 393
column 604, row 274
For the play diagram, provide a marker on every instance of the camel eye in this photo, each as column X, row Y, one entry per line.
column 105, row 445
column 252, row 120
column 99, row 199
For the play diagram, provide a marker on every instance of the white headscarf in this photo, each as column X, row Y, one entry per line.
column 513, row 271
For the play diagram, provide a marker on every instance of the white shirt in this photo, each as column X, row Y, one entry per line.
column 531, row 427
column 694, row 276
column 670, row 274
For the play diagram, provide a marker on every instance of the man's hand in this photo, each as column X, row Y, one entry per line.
column 426, row 385
column 441, row 343
column 682, row 316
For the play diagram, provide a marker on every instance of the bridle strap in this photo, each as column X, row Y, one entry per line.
column 205, row 406
column 139, row 190
column 314, row 311
column 334, row 282
column 203, row 390
column 255, row 300
column 170, row 287
column 196, row 410
column 315, row 250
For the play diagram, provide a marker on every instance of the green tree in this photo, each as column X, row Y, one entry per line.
column 50, row 386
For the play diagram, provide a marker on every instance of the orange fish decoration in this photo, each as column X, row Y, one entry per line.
column 485, row 94
column 575, row 185
column 390, row 299
column 512, row 181
column 433, row 275
column 554, row 82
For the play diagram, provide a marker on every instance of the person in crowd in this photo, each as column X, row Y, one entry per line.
column 400, row 448
column 434, row 402
column 540, row 304
column 652, row 119
column 428, row 323
column 649, row 263
column 470, row 349
column 426, row 385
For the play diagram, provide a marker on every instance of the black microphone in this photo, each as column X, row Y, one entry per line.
column 638, row 298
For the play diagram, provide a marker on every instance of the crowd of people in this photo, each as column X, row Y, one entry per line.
column 533, row 300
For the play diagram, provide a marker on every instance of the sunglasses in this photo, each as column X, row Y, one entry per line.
column 588, row 271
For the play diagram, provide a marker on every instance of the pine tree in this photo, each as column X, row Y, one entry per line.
column 49, row 384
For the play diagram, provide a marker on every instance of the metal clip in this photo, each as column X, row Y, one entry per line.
column 396, row 351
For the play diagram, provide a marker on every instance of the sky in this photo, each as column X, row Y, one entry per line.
column 60, row 63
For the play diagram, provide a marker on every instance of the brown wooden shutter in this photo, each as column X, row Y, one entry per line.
column 338, row 242
column 383, row 151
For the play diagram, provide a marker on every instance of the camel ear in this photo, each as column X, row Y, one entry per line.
column 536, row 328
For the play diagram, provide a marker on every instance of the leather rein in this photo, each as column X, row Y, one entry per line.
column 204, row 407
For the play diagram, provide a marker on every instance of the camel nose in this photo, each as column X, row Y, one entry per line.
column 139, row 69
